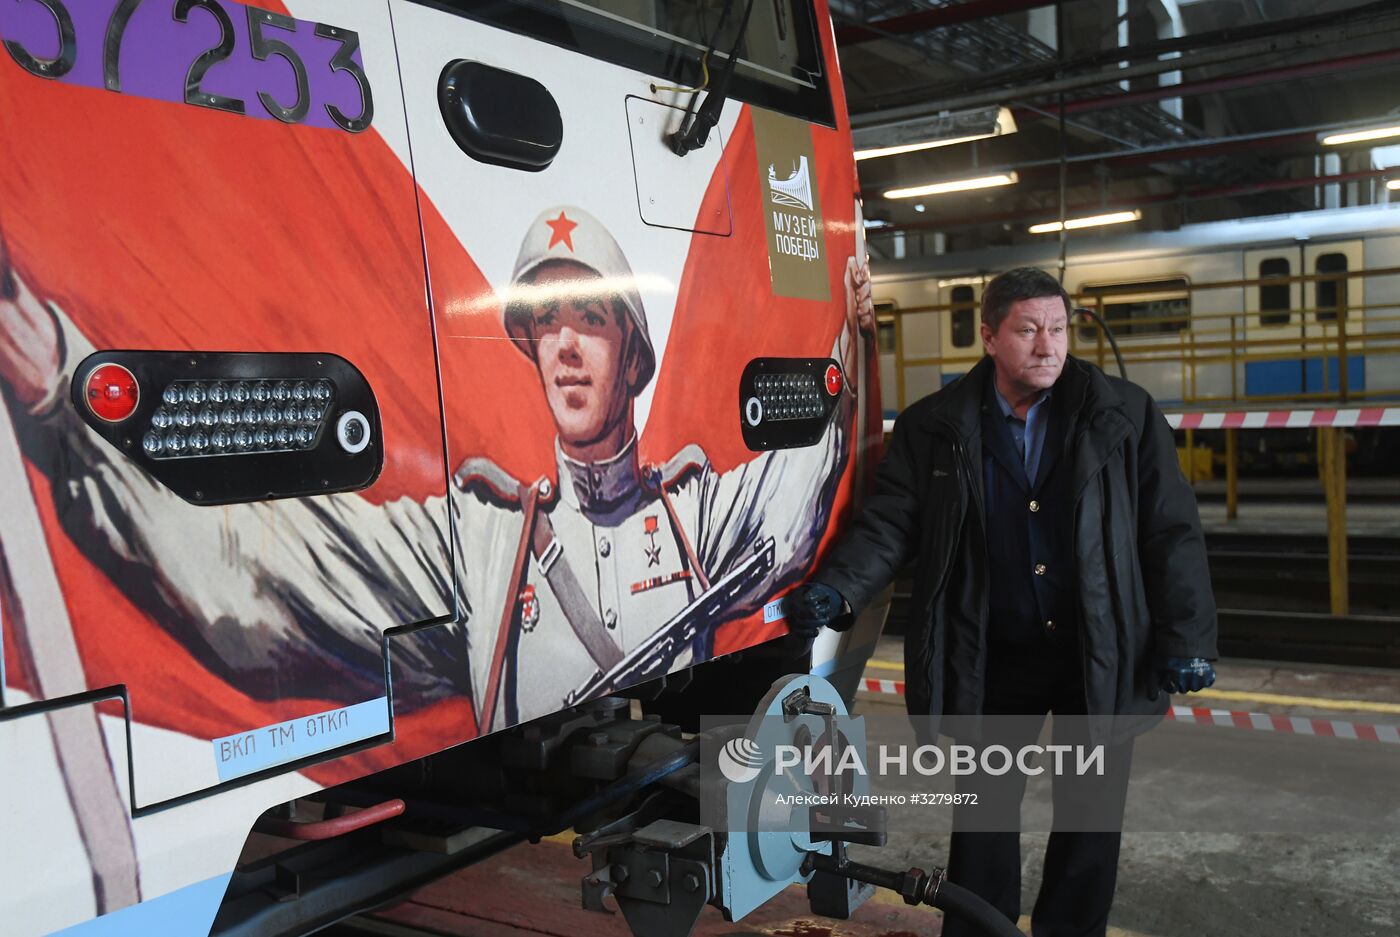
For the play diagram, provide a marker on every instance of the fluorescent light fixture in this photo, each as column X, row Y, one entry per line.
column 1393, row 185
column 954, row 185
column 877, row 223
column 925, row 133
column 1361, row 136
column 1093, row 221
column 916, row 147
column 960, row 281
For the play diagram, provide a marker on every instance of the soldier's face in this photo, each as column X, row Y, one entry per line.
column 581, row 349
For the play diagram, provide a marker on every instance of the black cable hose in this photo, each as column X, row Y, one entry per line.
column 1091, row 314
column 917, row 887
column 958, row 900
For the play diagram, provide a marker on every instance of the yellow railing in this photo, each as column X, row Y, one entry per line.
column 1226, row 339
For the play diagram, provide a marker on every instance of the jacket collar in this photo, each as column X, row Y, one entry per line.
column 1083, row 390
column 600, row 487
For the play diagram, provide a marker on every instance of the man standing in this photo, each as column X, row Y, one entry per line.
column 1060, row 567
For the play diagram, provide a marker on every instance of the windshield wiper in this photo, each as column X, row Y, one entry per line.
column 695, row 128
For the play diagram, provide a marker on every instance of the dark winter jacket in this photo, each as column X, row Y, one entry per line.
column 1140, row 561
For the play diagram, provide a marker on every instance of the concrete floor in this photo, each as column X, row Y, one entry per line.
column 1233, row 832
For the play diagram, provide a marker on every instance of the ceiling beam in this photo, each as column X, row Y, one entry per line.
column 1214, row 85
column 1098, row 208
column 1304, row 138
column 923, row 21
column 1041, row 81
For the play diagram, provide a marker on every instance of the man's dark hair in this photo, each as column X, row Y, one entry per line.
column 1015, row 285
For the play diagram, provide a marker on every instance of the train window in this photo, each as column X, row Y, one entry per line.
column 885, row 339
column 964, row 317
column 1275, row 299
column 1331, row 294
column 1157, row 307
column 780, row 58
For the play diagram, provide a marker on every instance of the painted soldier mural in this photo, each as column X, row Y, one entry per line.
column 610, row 572
column 622, row 554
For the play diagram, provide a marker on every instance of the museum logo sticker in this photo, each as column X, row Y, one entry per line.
column 792, row 210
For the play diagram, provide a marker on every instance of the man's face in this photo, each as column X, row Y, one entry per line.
column 1030, row 346
column 581, row 350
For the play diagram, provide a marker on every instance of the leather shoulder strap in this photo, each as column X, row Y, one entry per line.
column 578, row 609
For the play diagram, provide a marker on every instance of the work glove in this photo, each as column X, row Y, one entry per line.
column 1180, row 675
column 814, row 605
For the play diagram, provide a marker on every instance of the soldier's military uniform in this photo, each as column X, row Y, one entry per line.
column 620, row 549
column 556, row 582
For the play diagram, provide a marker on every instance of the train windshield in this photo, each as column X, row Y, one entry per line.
column 780, row 60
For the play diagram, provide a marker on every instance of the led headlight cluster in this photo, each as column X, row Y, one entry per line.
column 785, row 403
column 229, row 427
column 205, row 418
column 789, row 396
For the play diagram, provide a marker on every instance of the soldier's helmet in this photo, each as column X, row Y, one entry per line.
column 566, row 234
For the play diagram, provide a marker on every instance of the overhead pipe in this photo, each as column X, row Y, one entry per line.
column 1207, row 149
column 925, row 20
column 1214, row 85
column 1232, row 36
column 1195, row 195
column 1303, row 137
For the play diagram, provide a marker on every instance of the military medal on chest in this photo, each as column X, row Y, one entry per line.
column 529, row 609
column 653, row 549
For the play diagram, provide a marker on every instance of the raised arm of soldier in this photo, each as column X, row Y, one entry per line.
column 787, row 494
column 280, row 600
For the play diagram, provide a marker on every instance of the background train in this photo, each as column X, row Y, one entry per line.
column 1258, row 313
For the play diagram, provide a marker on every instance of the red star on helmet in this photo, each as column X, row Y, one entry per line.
column 563, row 230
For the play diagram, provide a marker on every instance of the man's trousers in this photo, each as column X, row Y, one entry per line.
column 1081, row 859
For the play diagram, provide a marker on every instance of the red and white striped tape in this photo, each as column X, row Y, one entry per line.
column 1276, row 419
column 1263, row 722
column 1295, row 725
column 1286, row 419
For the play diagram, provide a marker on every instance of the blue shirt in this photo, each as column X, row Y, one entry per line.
column 1029, row 434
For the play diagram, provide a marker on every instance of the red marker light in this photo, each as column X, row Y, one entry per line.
column 112, row 393
column 833, row 380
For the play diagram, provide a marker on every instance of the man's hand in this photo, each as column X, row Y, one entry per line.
column 28, row 339
column 812, row 606
column 1180, row 675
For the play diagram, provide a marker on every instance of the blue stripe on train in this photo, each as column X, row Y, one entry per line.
column 1301, row 376
column 181, row 913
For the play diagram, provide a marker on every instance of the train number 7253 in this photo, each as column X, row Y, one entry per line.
column 266, row 37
